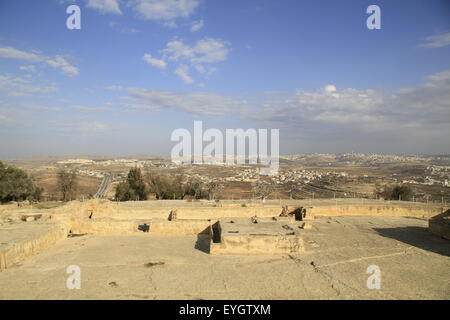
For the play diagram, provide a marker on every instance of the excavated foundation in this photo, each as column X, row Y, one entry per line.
column 229, row 228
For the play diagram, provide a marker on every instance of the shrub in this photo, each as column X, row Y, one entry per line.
column 397, row 192
column 67, row 184
column 16, row 185
column 133, row 188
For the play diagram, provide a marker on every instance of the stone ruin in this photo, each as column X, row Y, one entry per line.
column 440, row 225
column 230, row 228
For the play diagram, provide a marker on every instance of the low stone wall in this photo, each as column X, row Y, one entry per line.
column 114, row 210
column 14, row 252
column 184, row 227
column 439, row 228
column 440, row 225
column 106, row 226
column 105, row 217
column 6, row 207
column 378, row 210
column 155, row 226
column 256, row 244
column 230, row 212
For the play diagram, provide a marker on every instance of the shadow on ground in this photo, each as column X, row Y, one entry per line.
column 202, row 243
column 418, row 237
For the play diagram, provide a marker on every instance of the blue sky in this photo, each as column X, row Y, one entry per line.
column 138, row 69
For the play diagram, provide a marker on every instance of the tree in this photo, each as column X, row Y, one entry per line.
column 291, row 186
column 402, row 192
column 263, row 189
column 196, row 188
column 123, row 192
column 166, row 186
column 133, row 188
column 67, row 184
column 17, row 185
column 396, row 192
column 36, row 195
column 156, row 184
column 137, row 184
column 213, row 188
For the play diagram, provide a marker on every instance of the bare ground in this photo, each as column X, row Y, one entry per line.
column 414, row 264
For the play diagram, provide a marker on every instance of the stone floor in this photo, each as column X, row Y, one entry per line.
column 414, row 264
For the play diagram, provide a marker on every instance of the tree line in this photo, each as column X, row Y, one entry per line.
column 395, row 192
column 17, row 185
column 138, row 186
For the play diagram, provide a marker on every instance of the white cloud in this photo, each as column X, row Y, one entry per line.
column 210, row 50
column 61, row 62
column 97, row 126
column 170, row 24
column 114, row 87
column 198, row 57
column 137, row 106
column 105, row 6
column 161, row 64
column 22, row 86
column 176, row 50
column 90, row 109
column 125, row 30
column 194, row 102
column 182, row 72
column 9, row 52
column 330, row 88
column 412, row 111
column 438, row 79
column 3, row 118
column 164, row 9
column 29, row 68
column 197, row 25
column 41, row 107
column 204, row 52
column 83, row 127
column 57, row 61
column 437, row 41
column 207, row 50
column 78, row 126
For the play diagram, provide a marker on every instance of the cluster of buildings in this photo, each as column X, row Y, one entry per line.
column 439, row 175
column 363, row 158
column 76, row 161
column 304, row 176
column 373, row 158
column 247, row 175
column 439, row 170
column 204, row 179
column 429, row 181
column 117, row 162
column 91, row 173
column 285, row 176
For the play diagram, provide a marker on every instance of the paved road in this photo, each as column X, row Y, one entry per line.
column 101, row 192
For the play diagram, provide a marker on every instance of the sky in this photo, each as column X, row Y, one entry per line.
column 139, row 69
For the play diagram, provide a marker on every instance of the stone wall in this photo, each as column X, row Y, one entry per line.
column 258, row 245
column 105, row 217
column 440, row 225
column 378, row 210
column 29, row 244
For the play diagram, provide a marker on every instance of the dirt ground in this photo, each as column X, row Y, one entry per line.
column 414, row 264
column 49, row 182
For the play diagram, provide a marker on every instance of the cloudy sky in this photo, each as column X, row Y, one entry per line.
column 138, row 69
